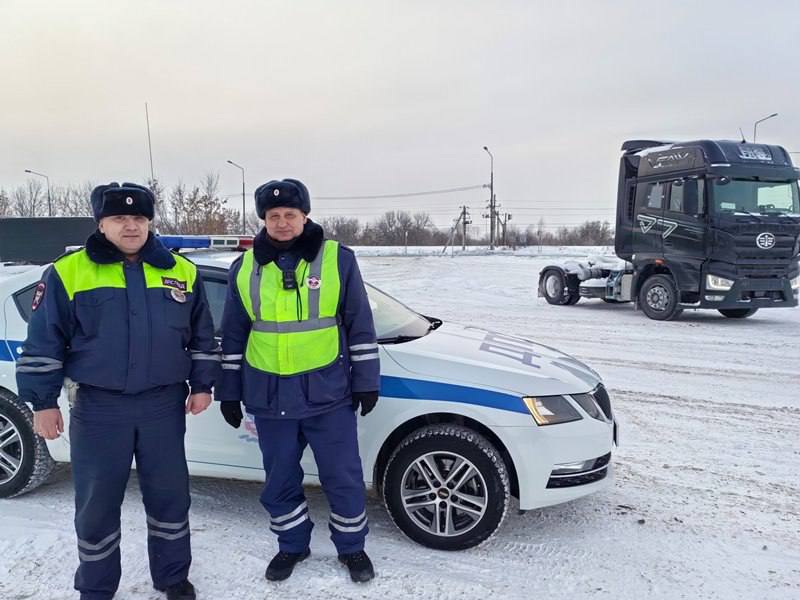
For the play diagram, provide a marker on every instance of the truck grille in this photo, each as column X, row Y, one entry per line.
column 767, row 269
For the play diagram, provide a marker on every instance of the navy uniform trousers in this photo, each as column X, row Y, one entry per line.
column 107, row 430
column 333, row 439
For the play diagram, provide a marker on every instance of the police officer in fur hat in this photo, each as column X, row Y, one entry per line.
column 299, row 350
column 128, row 321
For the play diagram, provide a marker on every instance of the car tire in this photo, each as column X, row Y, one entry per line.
column 554, row 287
column 658, row 298
column 738, row 313
column 25, row 462
column 446, row 515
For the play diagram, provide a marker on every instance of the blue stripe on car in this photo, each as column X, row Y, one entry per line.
column 8, row 350
column 418, row 389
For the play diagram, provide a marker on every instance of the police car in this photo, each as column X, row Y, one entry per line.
column 467, row 418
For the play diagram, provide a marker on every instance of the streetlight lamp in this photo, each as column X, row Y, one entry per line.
column 49, row 201
column 241, row 168
column 491, row 199
column 755, row 125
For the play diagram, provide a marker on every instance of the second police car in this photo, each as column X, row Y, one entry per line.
column 467, row 418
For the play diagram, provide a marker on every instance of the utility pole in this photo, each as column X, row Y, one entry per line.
column 503, row 222
column 491, row 199
column 149, row 144
column 464, row 222
column 452, row 234
column 244, row 221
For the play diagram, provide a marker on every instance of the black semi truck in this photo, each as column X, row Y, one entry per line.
column 700, row 224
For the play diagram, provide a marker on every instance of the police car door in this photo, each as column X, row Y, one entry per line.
column 209, row 439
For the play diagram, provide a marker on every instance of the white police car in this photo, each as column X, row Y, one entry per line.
column 467, row 418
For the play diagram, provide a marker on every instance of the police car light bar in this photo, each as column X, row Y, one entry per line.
column 217, row 242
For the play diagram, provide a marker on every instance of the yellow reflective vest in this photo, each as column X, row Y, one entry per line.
column 294, row 331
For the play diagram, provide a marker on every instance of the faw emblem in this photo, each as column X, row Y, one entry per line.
column 646, row 223
column 765, row 240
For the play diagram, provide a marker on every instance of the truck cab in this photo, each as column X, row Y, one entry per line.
column 700, row 224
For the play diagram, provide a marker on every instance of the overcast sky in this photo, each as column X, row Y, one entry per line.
column 373, row 97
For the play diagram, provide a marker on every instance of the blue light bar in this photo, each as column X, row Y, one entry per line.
column 178, row 242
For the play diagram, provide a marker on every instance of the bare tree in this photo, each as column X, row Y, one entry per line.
column 27, row 199
column 5, row 204
column 72, row 201
column 343, row 229
column 253, row 223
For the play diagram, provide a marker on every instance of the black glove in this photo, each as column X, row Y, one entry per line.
column 232, row 413
column 367, row 400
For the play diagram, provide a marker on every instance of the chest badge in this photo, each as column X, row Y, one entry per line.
column 313, row 282
column 177, row 295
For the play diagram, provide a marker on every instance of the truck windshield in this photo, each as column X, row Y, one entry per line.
column 751, row 196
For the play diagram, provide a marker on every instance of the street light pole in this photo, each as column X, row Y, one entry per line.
column 241, row 168
column 49, row 200
column 755, row 125
column 491, row 199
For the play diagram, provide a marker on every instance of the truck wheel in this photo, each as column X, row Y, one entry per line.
column 446, row 487
column 25, row 462
column 554, row 287
column 659, row 298
column 738, row 313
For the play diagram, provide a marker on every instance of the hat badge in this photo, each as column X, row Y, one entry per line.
column 128, row 200
column 276, row 192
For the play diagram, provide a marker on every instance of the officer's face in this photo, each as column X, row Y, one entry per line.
column 284, row 224
column 127, row 232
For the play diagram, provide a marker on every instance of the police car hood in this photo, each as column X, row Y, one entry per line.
column 485, row 359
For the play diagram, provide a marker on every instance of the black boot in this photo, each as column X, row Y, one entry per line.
column 282, row 564
column 359, row 565
column 180, row 591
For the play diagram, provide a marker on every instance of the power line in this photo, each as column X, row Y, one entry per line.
column 404, row 195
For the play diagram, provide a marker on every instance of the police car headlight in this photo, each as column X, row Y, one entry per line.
column 550, row 410
column 715, row 282
column 796, row 283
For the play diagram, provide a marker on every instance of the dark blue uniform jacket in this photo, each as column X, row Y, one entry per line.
column 308, row 394
column 128, row 340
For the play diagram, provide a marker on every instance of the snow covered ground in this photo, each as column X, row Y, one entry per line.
column 706, row 503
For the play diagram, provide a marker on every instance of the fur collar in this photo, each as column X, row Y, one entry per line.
column 103, row 252
column 306, row 245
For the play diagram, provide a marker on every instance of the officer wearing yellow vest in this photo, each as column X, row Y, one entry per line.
column 299, row 349
column 128, row 322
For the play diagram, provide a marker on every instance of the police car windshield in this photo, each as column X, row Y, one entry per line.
column 394, row 321
column 755, row 197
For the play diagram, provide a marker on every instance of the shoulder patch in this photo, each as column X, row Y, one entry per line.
column 38, row 295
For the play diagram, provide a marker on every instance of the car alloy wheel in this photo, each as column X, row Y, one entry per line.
column 444, row 494
column 12, row 451
column 446, row 487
